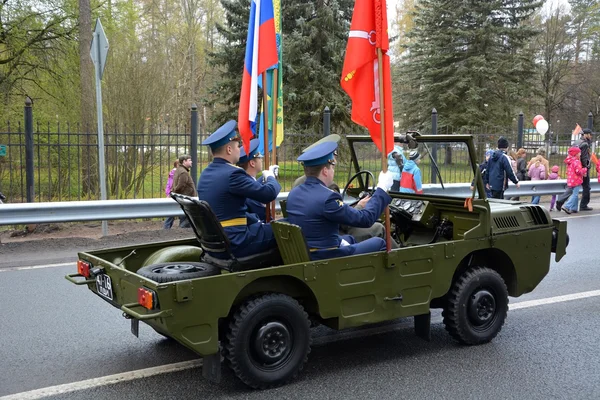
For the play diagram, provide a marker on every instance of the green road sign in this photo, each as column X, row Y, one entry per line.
column 2, row 150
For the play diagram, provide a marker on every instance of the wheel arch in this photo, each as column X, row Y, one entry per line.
column 287, row 285
column 495, row 259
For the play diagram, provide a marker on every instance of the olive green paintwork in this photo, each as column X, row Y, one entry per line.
column 512, row 238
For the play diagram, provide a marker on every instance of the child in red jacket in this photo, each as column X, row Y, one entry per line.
column 575, row 173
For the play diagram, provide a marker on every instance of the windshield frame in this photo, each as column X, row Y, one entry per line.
column 425, row 139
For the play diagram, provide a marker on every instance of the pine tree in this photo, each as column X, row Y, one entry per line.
column 314, row 41
column 468, row 59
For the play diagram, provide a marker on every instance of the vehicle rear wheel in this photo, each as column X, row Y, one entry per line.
column 268, row 340
column 476, row 307
column 177, row 271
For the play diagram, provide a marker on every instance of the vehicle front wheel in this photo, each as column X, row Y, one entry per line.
column 476, row 307
column 268, row 340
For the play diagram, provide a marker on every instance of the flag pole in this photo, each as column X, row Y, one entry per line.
column 274, row 98
column 265, row 127
column 384, row 166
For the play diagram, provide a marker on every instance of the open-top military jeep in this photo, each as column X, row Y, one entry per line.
column 463, row 254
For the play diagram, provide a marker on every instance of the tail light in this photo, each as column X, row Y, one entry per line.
column 146, row 298
column 83, row 268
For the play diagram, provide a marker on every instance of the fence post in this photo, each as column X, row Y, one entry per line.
column 520, row 130
column 591, row 121
column 434, row 121
column 194, row 143
column 29, row 149
column 326, row 121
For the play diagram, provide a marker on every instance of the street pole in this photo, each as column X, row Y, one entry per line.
column 98, row 54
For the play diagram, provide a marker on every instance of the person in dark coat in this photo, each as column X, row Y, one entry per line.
column 498, row 170
column 585, row 145
column 184, row 184
column 225, row 187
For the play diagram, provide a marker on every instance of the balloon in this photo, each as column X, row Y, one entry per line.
column 542, row 126
column 536, row 119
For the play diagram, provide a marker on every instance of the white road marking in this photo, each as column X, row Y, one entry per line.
column 553, row 300
column 320, row 341
column 37, row 267
column 103, row 381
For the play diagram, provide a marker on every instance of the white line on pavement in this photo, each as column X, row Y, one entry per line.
column 103, row 381
column 163, row 369
column 37, row 267
column 552, row 300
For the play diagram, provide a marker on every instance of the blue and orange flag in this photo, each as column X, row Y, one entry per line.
column 261, row 54
column 360, row 74
column 269, row 91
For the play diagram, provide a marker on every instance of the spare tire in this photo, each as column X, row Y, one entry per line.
column 178, row 271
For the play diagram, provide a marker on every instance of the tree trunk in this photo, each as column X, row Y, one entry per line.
column 86, row 76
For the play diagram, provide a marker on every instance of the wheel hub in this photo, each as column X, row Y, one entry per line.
column 176, row 269
column 272, row 343
column 482, row 307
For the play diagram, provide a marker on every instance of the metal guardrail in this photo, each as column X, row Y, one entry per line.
column 96, row 210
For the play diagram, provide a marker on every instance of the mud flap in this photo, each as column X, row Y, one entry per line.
column 211, row 368
column 560, row 239
column 135, row 327
column 423, row 326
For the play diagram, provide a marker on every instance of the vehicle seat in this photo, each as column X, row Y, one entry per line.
column 214, row 241
column 283, row 205
column 291, row 242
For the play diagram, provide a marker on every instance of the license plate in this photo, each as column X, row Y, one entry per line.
column 104, row 286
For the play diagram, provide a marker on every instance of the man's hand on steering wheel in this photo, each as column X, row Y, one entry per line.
column 363, row 202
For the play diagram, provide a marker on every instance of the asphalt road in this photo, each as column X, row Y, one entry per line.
column 53, row 332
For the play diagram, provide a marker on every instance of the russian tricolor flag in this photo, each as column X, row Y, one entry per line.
column 261, row 53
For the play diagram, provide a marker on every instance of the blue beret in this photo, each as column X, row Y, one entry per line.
column 321, row 154
column 334, row 137
column 222, row 136
column 254, row 153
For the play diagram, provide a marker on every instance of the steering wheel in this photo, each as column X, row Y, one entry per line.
column 365, row 192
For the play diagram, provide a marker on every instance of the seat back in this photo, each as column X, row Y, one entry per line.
column 205, row 224
column 283, row 205
column 291, row 242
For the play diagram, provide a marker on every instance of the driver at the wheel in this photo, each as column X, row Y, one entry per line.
column 319, row 211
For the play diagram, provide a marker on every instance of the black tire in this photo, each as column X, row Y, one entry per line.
column 268, row 340
column 476, row 306
column 177, row 271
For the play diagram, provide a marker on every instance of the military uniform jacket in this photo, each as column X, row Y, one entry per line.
column 319, row 211
column 256, row 207
column 226, row 187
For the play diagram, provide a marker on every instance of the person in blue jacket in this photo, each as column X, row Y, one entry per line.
column 396, row 161
column 252, row 163
column 225, row 187
column 319, row 211
column 499, row 170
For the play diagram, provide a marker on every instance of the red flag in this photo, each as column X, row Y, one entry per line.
column 360, row 74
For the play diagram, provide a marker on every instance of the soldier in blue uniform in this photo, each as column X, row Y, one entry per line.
column 225, row 187
column 319, row 211
column 252, row 164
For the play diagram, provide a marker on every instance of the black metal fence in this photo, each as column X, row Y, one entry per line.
column 63, row 157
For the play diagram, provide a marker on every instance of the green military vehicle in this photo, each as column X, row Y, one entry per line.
column 462, row 255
